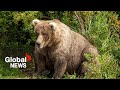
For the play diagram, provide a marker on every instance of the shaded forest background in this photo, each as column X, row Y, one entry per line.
column 101, row 28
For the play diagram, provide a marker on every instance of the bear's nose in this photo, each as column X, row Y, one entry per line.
column 38, row 44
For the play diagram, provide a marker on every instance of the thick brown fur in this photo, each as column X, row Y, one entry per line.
column 59, row 49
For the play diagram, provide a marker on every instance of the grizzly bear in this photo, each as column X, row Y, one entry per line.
column 60, row 49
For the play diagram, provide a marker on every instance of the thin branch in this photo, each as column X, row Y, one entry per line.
column 82, row 27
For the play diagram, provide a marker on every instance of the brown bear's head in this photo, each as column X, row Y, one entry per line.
column 45, row 31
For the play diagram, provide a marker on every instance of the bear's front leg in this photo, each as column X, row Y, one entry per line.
column 39, row 63
column 59, row 69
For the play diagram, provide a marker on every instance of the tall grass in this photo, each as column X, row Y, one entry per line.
column 98, row 32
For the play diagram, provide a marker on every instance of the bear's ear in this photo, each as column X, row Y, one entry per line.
column 52, row 25
column 35, row 22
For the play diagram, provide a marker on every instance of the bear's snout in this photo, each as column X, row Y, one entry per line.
column 38, row 44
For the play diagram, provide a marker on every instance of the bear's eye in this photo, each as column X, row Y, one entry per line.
column 44, row 34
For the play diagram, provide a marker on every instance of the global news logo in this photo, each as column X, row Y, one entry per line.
column 16, row 62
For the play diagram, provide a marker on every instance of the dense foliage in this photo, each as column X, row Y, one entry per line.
column 101, row 28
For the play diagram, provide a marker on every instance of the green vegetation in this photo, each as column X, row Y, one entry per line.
column 101, row 28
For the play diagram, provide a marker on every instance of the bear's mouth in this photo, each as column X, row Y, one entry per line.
column 38, row 45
